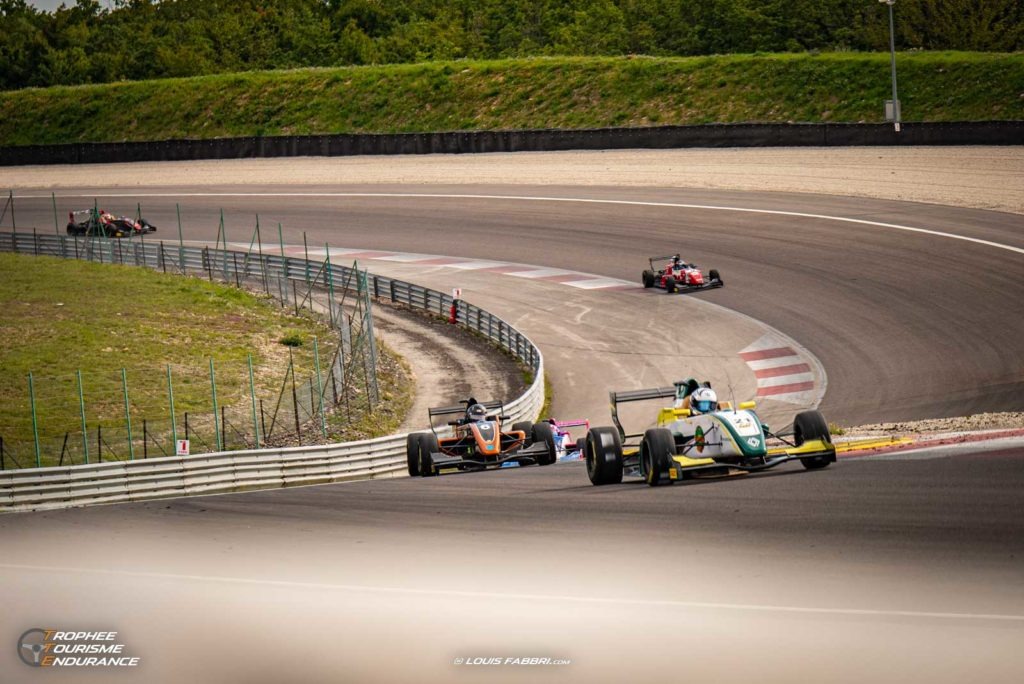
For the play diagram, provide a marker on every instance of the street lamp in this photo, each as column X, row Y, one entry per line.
column 892, row 107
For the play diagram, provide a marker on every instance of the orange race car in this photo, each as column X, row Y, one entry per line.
column 478, row 442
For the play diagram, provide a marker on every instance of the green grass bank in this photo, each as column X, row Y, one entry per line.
column 570, row 92
column 65, row 317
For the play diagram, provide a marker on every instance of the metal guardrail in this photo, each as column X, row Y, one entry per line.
column 233, row 471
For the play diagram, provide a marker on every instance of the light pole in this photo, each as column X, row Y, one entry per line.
column 893, row 114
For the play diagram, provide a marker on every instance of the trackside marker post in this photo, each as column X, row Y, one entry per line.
column 453, row 314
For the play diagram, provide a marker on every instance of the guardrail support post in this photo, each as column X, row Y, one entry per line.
column 53, row 198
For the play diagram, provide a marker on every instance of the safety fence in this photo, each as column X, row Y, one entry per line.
column 226, row 471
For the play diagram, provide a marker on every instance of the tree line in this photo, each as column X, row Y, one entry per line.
column 87, row 42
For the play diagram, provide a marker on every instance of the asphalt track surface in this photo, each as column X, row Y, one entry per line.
column 902, row 568
column 908, row 325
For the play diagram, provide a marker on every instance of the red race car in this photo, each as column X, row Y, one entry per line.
column 679, row 276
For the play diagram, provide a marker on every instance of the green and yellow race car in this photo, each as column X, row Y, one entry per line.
column 699, row 435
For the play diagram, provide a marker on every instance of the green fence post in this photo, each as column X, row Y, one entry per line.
column 330, row 283
column 127, row 414
column 53, row 197
column 181, row 241
column 170, row 399
column 284, row 268
column 213, row 392
column 319, row 386
column 81, row 409
column 305, row 245
column 223, row 231
column 35, row 421
column 252, row 395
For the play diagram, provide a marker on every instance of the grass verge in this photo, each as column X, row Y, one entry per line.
column 556, row 92
column 64, row 317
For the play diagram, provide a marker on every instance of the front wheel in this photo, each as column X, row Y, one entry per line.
column 714, row 276
column 412, row 453
column 807, row 426
column 428, row 446
column 670, row 284
column 603, row 452
column 543, row 434
column 656, row 451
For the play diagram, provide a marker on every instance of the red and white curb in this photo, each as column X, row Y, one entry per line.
column 783, row 371
column 583, row 281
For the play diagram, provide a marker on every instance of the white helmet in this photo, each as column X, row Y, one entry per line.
column 703, row 400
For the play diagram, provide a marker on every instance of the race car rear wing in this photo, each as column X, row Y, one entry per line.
column 658, row 258
column 636, row 395
column 461, row 409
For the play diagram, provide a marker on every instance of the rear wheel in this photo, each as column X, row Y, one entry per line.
column 670, row 284
column 656, row 451
column 581, row 446
column 412, row 453
column 428, row 446
column 603, row 451
column 811, row 425
column 527, row 428
column 648, row 279
column 543, row 434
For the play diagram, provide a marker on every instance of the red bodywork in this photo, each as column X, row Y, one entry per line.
column 683, row 276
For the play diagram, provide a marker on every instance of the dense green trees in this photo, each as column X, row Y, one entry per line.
column 137, row 39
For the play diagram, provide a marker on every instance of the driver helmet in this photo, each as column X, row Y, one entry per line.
column 476, row 413
column 703, row 400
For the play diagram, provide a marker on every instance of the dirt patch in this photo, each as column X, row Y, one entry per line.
column 980, row 421
column 448, row 362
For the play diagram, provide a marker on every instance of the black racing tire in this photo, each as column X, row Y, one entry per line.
column 670, row 284
column 412, row 453
column 428, row 445
column 713, row 275
column 647, row 279
column 810, row 425
column 581, row 446
column 527, row 428
column 603, row 454
column 543, row 434
column 656, row 451
column 72, row 229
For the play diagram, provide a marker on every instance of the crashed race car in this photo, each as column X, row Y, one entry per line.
column 478, row 442
column 700, row 436
column 678, row 276
column 102, row 224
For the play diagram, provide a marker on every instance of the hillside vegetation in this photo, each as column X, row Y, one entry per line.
column 99, row 42
column 563, row 92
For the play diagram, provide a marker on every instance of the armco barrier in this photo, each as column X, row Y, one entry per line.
column 455, row 142
column 233, row 471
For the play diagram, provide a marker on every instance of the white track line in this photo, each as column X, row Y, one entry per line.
column 246, row 581
column 582, row 200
